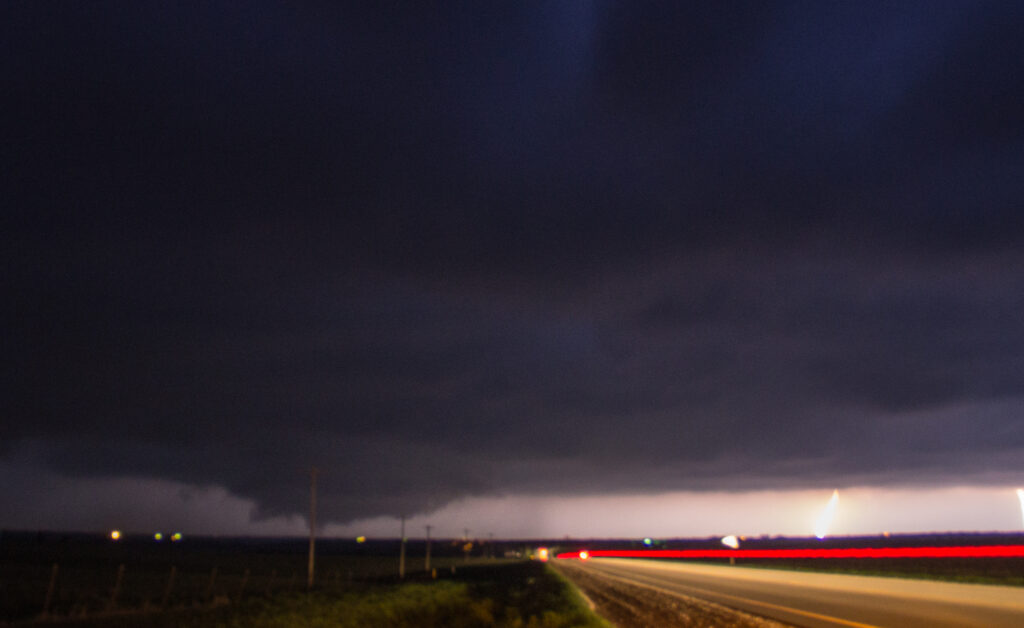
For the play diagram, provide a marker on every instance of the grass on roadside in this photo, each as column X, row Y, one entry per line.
column 515, row 595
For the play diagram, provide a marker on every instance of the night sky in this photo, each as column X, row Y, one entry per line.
column 524, row 249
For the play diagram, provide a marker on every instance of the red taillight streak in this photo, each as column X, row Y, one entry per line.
column 984, row 551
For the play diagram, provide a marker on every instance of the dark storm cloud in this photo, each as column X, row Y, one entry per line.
column 445, row 252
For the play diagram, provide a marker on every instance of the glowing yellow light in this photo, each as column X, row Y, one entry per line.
column 360, row 539
column 115, row 534
column 731, row 541
column 159, row 536
column 542, row 553
column 176, row 536
column 821, row 527
column 584, row 554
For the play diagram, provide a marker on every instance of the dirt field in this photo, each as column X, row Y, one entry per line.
column 630, row 606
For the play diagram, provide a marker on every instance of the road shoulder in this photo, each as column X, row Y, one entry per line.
column 628, row 605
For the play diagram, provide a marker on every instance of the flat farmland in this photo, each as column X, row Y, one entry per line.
column 81, row 576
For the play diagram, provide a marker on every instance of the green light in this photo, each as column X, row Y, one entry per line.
column 648, row 541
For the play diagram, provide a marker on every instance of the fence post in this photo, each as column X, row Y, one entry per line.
column 169, row 588
column 401, row 554
column 50, row 591
column 209, row 586
column 117, row 589
column 270, row 585
column 241, row 589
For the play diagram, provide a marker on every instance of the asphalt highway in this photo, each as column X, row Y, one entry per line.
column 814, row 599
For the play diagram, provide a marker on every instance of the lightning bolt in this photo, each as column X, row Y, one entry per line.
column 825, row 519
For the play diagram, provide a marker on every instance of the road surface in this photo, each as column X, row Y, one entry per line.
column 816, row 599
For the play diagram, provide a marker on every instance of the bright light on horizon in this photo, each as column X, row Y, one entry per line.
column 1020, row 496
column 825, row 520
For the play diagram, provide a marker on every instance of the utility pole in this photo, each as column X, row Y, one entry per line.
column 426, row 564
column 401, row 555
column 312, row 525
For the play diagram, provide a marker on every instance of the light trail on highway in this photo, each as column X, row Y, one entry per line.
column 819, row 599
column 962, row 551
